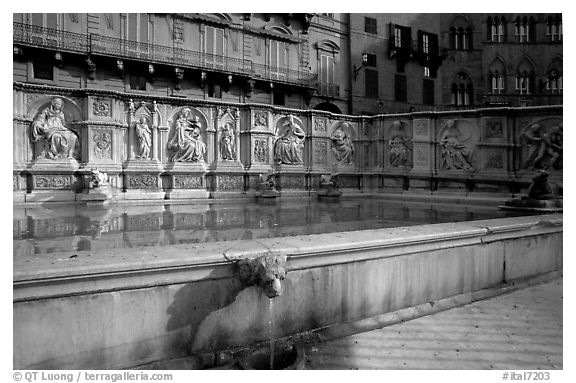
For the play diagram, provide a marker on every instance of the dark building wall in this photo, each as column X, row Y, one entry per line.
column 541, row 53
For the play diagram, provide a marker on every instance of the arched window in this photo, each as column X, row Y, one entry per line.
column 496, row 27
column 554, row 78
column 461, row 90
column 554, row 27
column 525, row 77
column 460, row 37
column 497, row 77
column 525, row 30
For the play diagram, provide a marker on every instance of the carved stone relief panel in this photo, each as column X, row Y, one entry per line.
column 342, row 146
column 493, row 159
column 399, row 145
column 230, row 182
column 493, row 129
column 187, row 136
column 261, row 150
column 143, row 181
column 457, row 142
column 289, row 142
column 292, row 182
column 102, row 143
column 260, row 118
column 320, row 152
column 188, row 182
column 102, row 108
column 421, row 129
column 52, row 182
column 421, row 156
column 51, row 132
column 319, row 124
column 541, row 144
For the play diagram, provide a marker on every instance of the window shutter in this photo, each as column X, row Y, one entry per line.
column 420, row 41
column 406, row 37
column 489, row 29
column 433, row 43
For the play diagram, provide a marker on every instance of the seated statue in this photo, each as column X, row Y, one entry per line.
column 49, row 129
column 186, row 141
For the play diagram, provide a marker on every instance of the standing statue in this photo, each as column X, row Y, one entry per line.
column 49, row 128
column 553, row 142
column 289, row 144
column 227, row 141
column 454, row 154
column 144, row 136
column 342, row 145
column 186, row 141
column 399, row 146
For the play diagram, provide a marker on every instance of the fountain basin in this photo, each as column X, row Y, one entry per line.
column 124, row 307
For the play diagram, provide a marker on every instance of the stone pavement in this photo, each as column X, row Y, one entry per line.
column 519, row 330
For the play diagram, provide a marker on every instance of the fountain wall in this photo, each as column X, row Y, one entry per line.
column 472, row 151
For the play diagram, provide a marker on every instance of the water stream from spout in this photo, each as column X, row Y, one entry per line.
column 271, row 316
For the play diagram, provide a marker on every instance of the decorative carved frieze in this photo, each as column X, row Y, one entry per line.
column 143, row 181
column 102, row 140
column 421, row 156
column 187, row 182
column 53, row 182
column 292, row 182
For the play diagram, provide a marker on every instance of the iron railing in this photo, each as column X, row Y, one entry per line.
column 155, row 54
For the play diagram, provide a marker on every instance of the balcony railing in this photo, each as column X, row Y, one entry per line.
column 155, row 54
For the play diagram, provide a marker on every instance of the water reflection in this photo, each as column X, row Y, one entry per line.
column 41, row 230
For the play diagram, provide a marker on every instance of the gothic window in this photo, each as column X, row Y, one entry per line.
column 497, row 77
column 554, row 78
column 524, row 29
column 460, row 36
column 496, row 29
column 524, row 80
column 554, row 28
column 461, row 90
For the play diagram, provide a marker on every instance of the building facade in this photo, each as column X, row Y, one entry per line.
column 501, row 60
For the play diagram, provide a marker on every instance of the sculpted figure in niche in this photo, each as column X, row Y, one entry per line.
column 186, row 141
column 227, row 141
column 289, row 144
column 144, row 136
column 454, row 154
column 342, row 145
column 399, row 146
column 49, row 128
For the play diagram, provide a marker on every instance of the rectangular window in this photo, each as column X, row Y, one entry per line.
column 425, row 43
column 278, row 58
column 370, row 60
column 428, row 92
column 494, row 32
column 215, row 90
column 278, row 98
column 214, row 41
column 137, row 82
column 330, row 15
column 426, row 71
column 397, row 37
column 370, row 25
column 327, row 69
column 43, row 71
column 400, row 93
column 371, row 83
column 46, row 20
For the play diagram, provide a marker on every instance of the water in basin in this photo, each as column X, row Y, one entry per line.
column 42, row 230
